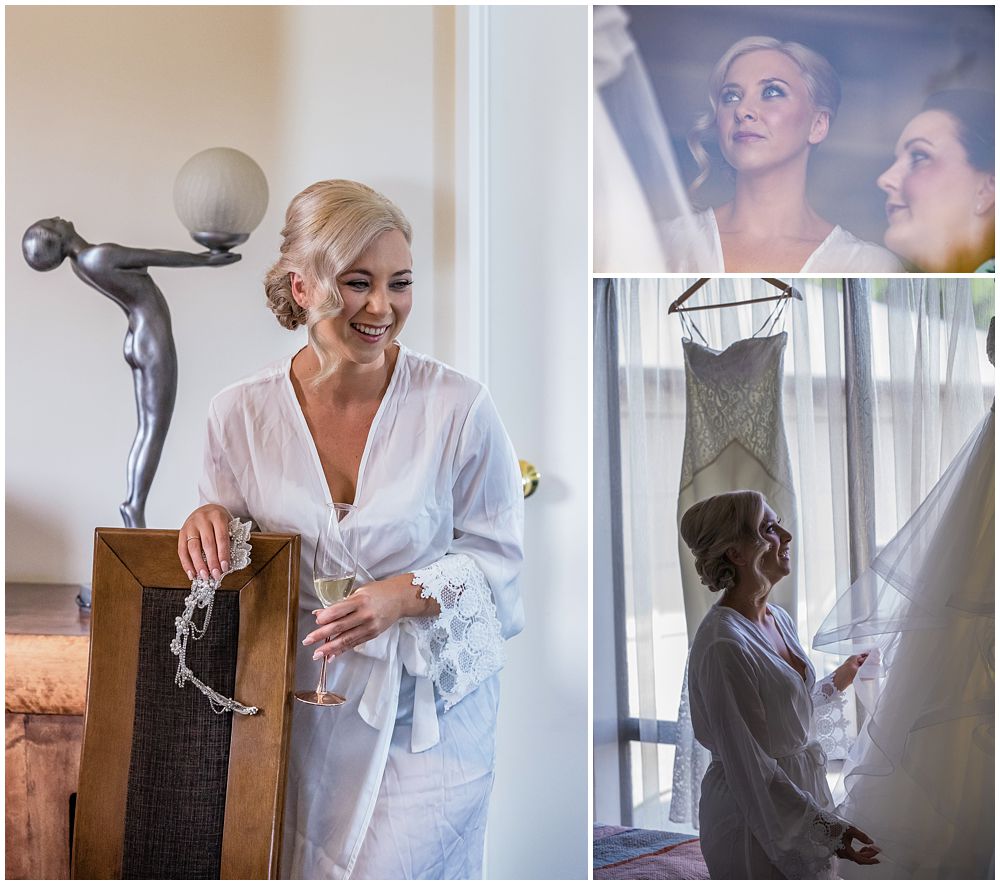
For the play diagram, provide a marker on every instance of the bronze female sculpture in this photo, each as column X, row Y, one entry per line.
column 122, row 273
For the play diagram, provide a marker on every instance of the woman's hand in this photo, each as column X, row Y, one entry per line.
column 845, row 673
column 862, row 856
column 367, row 612
column 203, row 542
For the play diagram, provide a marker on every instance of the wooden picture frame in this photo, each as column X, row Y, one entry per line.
column 126, row 561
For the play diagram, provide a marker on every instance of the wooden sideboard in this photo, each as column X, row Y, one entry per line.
column 47, row 645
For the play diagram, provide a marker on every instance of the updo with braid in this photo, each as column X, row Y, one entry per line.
column 327, row 226
column 712, row 527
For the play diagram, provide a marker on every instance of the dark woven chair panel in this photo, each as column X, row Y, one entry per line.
column 180, row 748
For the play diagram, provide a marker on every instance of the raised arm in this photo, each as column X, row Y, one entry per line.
column 830, row 689
column 128, row 258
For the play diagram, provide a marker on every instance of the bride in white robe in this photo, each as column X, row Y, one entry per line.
column 766, row 811
column 396, row 782
column 771, row 103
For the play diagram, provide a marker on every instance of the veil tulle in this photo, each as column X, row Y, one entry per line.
column 938, row 568
column 637, row 186
column 920, row 777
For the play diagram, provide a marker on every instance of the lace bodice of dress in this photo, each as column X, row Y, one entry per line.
column 734, row 394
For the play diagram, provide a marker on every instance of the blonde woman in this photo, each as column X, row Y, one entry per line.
column 766, row 811
column 395, row 784
column 772, row 104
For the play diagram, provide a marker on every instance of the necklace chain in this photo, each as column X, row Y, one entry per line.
column 202, row 596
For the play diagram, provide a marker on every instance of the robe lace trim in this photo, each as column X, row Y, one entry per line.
column 462, row 643
column 833, row 728
column 812, row 858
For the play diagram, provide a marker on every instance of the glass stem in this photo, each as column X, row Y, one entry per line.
column 321, row 685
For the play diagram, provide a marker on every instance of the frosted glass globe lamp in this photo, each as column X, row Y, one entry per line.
column 220, row 195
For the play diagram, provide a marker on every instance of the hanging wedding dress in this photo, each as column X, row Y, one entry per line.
column 920, row 778
column 734, row 439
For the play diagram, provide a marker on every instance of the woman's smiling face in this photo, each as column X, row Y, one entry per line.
column 933, row 195
column 764, row 113
column 377, row 291
column 776, row 562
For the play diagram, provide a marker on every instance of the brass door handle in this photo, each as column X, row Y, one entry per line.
column 529, row 478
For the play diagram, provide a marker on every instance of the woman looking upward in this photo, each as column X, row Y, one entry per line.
column 766, row 811
column 771, row 103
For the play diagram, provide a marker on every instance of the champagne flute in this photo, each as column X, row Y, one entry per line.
column 334, row 570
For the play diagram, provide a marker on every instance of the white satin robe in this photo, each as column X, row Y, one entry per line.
column 766, row 810
column 696, row 245
column 396, row 782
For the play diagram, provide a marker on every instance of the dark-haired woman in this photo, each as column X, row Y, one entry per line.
column 766, row 811
column 941, row 189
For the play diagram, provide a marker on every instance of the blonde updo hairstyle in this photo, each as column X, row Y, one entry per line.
column 327, row 226
column 712, row 527
column 821, row 81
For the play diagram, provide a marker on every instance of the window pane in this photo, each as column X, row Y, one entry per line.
column 653, row 813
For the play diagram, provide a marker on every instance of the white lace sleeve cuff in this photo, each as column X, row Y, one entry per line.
column 825, row 692
column 833, row 729
column 462, row 643
column 812, row 856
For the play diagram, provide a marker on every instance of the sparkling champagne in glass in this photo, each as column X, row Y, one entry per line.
column 334, row 570
column 331, row 590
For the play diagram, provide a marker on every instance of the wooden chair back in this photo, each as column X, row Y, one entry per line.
column 168, row 788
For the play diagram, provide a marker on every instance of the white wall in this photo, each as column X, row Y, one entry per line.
column 538, row 284
column 104, row 105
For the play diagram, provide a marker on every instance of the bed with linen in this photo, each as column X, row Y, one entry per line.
column 631, row 853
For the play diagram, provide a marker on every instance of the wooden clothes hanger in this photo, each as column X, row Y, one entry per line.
column 786, row 291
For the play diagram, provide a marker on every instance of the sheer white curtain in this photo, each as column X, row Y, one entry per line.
column 637, row 184
column 936, row 384
column 927, row 384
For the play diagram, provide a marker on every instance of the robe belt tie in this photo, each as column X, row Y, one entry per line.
column 813, row 748
column 391, row 652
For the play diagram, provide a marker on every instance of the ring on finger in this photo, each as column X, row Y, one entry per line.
column 193, row 538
